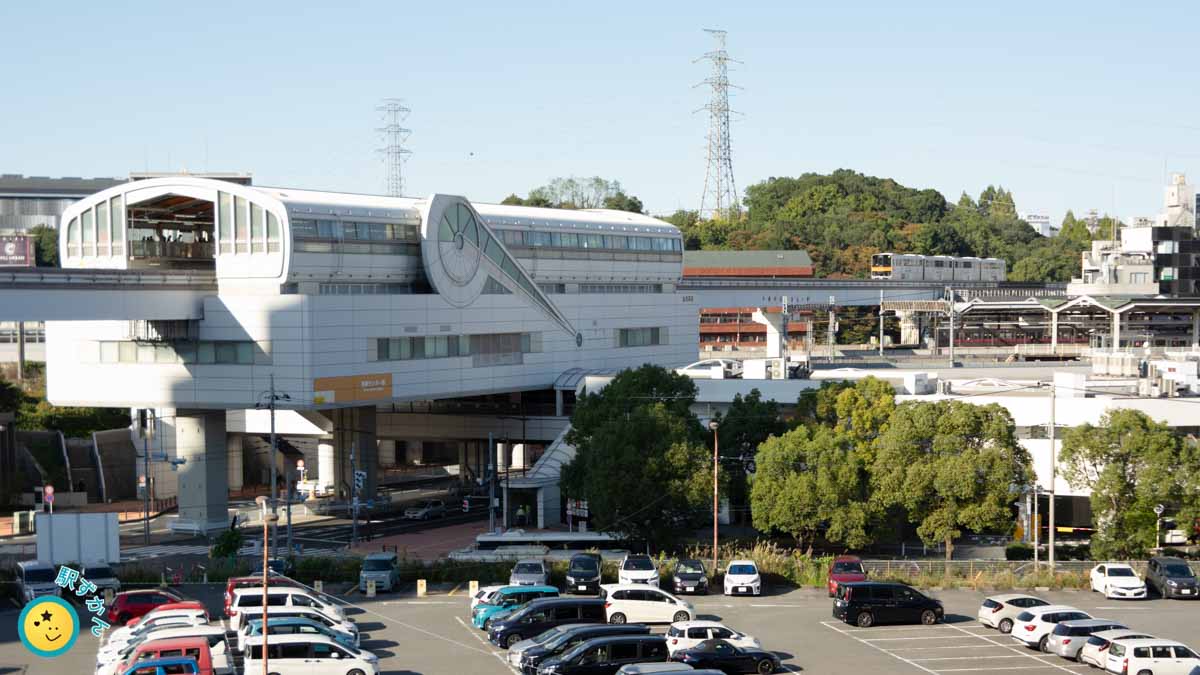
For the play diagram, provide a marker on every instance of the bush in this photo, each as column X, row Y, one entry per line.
column 1018, row 552
column 227, row 545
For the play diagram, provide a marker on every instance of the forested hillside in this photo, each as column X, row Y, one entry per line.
column 843, row 218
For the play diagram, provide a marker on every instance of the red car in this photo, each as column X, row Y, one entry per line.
column 235, row 583
column 844, row 569
column 134, row 604
column 196, row 648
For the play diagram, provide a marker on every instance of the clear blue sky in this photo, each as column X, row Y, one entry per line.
column 1069, row 104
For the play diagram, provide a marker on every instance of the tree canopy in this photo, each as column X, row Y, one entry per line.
column 579, row 193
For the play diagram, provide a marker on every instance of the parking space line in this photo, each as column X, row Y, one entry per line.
column 1014, row 649
column 924, row 649
column 967, row 670
column 485, row 643
column 968, row 658
column 877, row 647
column 968, row 636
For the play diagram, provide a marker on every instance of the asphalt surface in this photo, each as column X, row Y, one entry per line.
column 432, row 636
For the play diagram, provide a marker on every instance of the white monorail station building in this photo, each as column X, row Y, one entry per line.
column 366, row 311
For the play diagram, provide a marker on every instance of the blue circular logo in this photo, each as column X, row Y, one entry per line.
column 48, row 626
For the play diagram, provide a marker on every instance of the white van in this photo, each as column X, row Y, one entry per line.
column 215, row 634
column 307, row 654
column 642, row 603
column 280, row 596
column 344, row 627
column 1150, row 655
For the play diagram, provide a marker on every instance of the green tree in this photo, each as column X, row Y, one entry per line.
column 809, row 482
column 951, row 466
column 623, row 202
column 747, row 423
column 45, row 245
column 1075, row 232
column 641, row 461
column 513, row 200
column 938, row 239
column 1130, row 463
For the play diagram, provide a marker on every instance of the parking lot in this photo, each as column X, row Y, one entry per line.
column 432, row 636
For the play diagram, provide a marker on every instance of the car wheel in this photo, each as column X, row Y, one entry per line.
column 1044, row 644
column 512, row 640
column 865, row 620
column 1005, row 625
column 929, row 617
column 617, row 618
column 356, row 671
column 764, row 667
column 680, row 616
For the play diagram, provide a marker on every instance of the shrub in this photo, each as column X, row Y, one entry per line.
column 227, row 545
column 1018, row 552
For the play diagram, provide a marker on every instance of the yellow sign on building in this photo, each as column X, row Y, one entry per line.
column 351, row 388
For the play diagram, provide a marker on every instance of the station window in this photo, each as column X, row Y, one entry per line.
column 258, row 234
column 89, row 233
column 73, row 250
column 241, row 230
column 204, row 352
column 225, row 222
column 641, row 337
column 490, row 349
column 117, row 205
column 103, row 230
column 273, row 236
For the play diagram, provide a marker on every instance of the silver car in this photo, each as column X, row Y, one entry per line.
column 101, row 575
column 426, row 510
column 1068, row 637
column 530, row 572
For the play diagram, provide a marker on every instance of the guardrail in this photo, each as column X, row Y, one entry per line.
column 54, row 277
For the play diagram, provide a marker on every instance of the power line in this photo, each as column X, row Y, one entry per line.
column 395, row 135
column 720, row 195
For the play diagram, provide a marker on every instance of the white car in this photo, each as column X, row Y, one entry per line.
column 688, row 634
column 1117, row 581
column 483, row 595
column 639, row 603
column 1095, row 650
column 1067, row 638
column 712, row 368
column 638, row 569
column 343, row 627
column 306, row 655
column 1150, row 655
column 998, row 611
column 1032, row 627
column 153, row 618
column 108, row 662
column 249, row 600
column 148, row 631
column 742, row 578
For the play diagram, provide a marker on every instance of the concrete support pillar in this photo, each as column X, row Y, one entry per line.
column 387, row 452
column 325, row 464
column 910, row 328
column 558, row 397
column 1116, row 330
column 1196, row 330
column 414, row 452
column 203, row 491
column 234, row 454
column 464, row 468
column 355, row 428
column 775, row 337
column 1054, row 331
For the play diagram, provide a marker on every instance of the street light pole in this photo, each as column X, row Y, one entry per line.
column 716, row 443
column 266, row 518
column 289, row 511
column 1053, row 477
column 1036, row 526
column 274, row 459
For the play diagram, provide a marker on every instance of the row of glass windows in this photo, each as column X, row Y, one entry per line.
column 371, row 289
column 98, row 231
column 612, row 242
column 641, row 337
column 377, row 247
column 620, row 288
column 341, row 230
column 35, row 332
column 245, row 227
column 204, row 352
column 448, row 346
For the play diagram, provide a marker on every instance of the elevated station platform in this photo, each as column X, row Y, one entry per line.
column 51, row 294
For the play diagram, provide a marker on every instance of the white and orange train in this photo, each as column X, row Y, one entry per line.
column 913, row 267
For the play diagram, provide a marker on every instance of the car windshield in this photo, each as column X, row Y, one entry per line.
column 427, row 505
column 1120, row 572
column 742, row 569
column 39, row 576
column 547, row 636
column 1178, row 570
column 377, row 565
column 847, row 568
column 690, row 567
column 638, row 564
column 583, row 565
column 528, row 568
column 99, row 572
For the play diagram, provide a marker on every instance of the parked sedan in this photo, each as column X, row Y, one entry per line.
column 690, row 577
column 1172, row 578
column 531, row 572
column 426, row 510
column 1032, row 627
column 742, row 578
column 999, row 611
column 705, row 368
column 722, row 656
column 1095, row 650
column 1117, row 580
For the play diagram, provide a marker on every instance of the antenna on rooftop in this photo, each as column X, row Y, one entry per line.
column 394, row 135
column 720, row 195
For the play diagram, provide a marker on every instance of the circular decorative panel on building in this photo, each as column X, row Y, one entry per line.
column 458, row 244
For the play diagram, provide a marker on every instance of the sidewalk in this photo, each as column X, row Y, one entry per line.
column 429, row 545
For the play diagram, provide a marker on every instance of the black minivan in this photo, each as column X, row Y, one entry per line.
column 541, row 615
column 866, row 603
column 570, row 636
column 583, row 574
column 606, row 655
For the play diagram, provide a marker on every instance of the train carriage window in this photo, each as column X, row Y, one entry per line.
column 570, row 240
column 273, row 233
column 258, row 232
column 89, row 234
column 617, row 241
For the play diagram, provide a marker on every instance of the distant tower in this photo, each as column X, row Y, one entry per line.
column 720, row 194
column 394, row 136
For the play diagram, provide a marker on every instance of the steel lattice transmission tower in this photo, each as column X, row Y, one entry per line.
column 394, row 135
column 720, row 194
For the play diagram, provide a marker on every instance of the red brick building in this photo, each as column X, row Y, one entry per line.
column 733, row 328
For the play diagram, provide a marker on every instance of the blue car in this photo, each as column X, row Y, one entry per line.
column 507, row 600
column 297, row 626
column 164, row 667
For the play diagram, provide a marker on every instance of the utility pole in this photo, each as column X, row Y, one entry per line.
column 289, row 510
column 146, row 473
column 491, row 483
column 353, row 498
column 716, row 444
column 1036, row 525
column 951, row 333
column 274, row 486
column 1053, row 476
column 832, row 321
column 881, row 323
